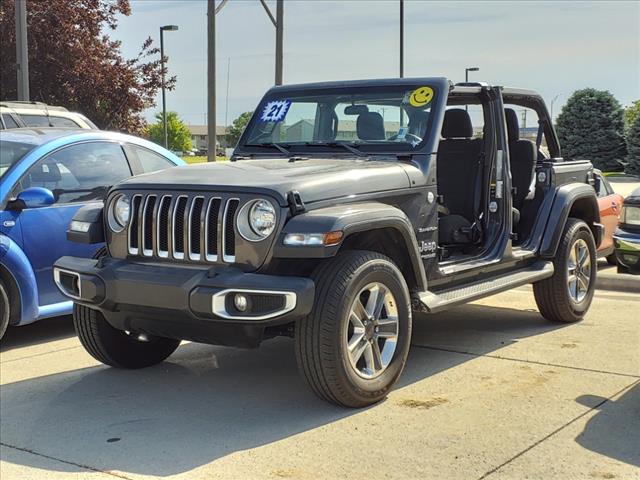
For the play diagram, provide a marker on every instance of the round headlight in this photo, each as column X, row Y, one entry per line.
column 119, row 213
column 262, row 218
column 257, row 220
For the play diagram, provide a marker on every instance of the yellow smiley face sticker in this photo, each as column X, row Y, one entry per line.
column 421, row 96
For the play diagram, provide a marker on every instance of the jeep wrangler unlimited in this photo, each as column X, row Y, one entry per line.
column 346, row 208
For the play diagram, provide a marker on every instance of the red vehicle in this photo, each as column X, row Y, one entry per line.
column 610, row 204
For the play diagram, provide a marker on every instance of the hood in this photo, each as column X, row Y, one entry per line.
column 315, row 179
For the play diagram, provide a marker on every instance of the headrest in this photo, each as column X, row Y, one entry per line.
column 45, row 172
column 418, row 122
column 513, row 127
column 355, row 109
column 457, row 124
column 370, row 126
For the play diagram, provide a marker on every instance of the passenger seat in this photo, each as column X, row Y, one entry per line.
column 523, row 158
column 457, row 171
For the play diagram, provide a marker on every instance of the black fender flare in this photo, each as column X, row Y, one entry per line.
column 577, row 200
column 351, row 219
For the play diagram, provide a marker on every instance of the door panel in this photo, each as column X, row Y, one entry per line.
column 44, row 230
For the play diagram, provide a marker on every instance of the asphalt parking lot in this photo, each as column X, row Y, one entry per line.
column 491, row 390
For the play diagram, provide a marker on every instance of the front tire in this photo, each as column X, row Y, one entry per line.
column 116, row 348
column 566, row 296
column 612, row 259
column 353, row 346
column 5, row 309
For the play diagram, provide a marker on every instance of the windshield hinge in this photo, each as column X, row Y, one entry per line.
column 296, row 205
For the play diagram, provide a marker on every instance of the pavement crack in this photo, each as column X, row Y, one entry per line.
column 533, row 362
column 557, row 430
column 38, row 354
column 67, row 462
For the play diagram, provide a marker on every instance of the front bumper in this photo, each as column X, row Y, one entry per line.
column 184, row 302
column 627, row 247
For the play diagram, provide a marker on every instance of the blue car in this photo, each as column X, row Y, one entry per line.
column 46, row 175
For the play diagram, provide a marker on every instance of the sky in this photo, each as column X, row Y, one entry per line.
column 552, row 47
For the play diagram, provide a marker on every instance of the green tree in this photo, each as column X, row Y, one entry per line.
column 633, row 146
column 74, row 63
column 237, row 127
column 590, row 126
column 177, row 132
column 630, row 114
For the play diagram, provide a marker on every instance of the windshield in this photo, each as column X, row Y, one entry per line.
column 389, row 116
column 10, row 153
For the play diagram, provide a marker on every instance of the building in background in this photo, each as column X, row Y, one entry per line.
column 199, row 136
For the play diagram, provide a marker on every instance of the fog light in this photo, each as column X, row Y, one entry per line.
column 241, row 302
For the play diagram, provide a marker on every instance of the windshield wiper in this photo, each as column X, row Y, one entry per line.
column 351, row 148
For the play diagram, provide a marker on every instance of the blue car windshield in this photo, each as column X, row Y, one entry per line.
column 11, row 153
column 394, row 116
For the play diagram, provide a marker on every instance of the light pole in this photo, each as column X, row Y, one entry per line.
column 466, row 79
column 170, row 28
column 466, row 73
column 552, row 102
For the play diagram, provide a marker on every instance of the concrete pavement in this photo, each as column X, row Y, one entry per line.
column 491, row 390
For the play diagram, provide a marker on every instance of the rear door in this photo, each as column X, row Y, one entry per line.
column 77, row 175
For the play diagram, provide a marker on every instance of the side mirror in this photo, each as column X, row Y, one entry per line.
column 34, row 197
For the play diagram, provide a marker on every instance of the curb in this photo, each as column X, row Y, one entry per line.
column 622, row 282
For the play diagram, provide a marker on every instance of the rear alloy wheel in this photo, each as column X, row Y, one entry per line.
column 353, row 346
column 567, row 295
column 5, row 312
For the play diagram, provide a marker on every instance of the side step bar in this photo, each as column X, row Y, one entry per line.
column 444, row 299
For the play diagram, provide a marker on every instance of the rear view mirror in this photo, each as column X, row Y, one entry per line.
column 34, row 197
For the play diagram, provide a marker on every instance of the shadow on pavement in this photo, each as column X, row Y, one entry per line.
column 207, row 402
column 615, row 430
column 45, row 330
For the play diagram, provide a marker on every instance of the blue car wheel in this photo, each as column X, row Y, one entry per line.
column 4, row 309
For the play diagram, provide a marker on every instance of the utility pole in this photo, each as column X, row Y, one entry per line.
column 279, row 39
column 226, row 106
column 401, row 38
column 278, row 22
column 211, row 78
column 22, row 50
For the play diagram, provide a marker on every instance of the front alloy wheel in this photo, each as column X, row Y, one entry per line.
column 353, row 346
column 372, row 331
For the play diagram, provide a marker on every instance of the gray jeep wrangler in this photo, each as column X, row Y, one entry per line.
column 347, row 209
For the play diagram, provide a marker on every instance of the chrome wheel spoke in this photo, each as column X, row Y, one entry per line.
column 376, row 300
column 358, row 311
column 357, row 346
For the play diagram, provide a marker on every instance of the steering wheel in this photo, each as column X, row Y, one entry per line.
column 408, row 136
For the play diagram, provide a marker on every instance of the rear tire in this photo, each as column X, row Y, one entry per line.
column 353, row 346
column 566, row 296
column 5, row 309
column 116, row 348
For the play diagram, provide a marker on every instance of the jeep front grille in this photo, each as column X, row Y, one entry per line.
column 183, row 227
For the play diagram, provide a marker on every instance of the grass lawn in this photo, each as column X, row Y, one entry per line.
column 202, row 159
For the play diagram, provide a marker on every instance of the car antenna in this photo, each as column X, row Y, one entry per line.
column 46, row 112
